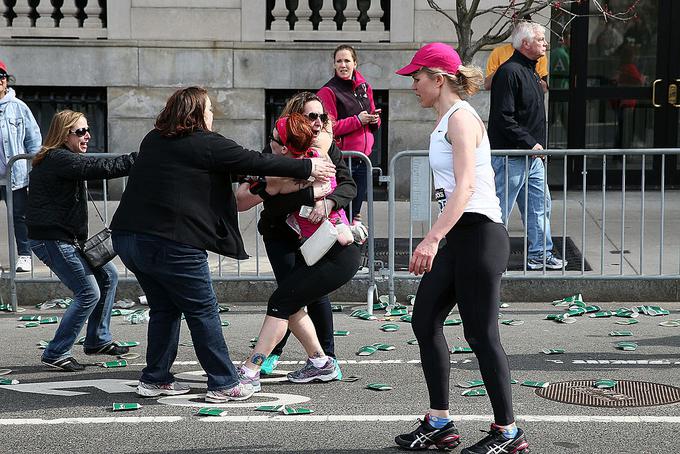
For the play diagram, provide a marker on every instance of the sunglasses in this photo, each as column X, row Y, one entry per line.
column 4, row 76
column 80, row 132
column 314, row 116
column 274, row 139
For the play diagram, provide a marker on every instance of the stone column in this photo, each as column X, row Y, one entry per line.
column 70, row 11
column 351, row 17
column 22, row 9
column 280, row 13
column 375, row 12
column 45, row 10
column 327, row 14
column 303, row 14
column 93, row 10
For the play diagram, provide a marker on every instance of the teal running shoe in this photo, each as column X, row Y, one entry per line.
column 269, row 364
column 337, row 368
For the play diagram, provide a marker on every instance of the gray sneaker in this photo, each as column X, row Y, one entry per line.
column 238, row 392
column 254, row 381
column 164, row 389
column 311, row 373
column 551, row 263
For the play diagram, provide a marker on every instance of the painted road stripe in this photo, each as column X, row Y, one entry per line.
column 341, row 418
column 590, row 362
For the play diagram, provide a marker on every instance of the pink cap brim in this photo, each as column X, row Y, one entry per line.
column 408, row 69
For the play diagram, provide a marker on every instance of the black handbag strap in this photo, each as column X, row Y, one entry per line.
column 95, row 207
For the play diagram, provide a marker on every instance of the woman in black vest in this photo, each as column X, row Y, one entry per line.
column 348, row 99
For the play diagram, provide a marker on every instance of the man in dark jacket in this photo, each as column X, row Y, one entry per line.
column 517, row 121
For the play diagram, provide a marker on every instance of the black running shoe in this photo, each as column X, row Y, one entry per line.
column 444, row 439
column 496, row 443
column 108, row 349
column 68, row 364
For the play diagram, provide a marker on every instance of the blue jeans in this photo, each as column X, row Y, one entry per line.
column 537, row 216
column 19, row 205
column 94, row 292
column 359, row 171
column 175, row 278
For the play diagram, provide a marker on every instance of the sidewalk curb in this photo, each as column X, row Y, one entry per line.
column 512, row 290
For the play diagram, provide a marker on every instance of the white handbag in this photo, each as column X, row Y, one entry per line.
column 320, row 242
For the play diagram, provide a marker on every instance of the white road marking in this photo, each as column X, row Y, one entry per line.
column 197, row 400
column 559, row 419
column 590, row 362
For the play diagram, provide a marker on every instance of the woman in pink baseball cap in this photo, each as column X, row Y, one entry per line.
column 467, row 269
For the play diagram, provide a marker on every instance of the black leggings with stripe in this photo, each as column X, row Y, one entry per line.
column 466, row 271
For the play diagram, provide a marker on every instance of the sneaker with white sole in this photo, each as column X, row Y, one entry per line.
column 551, row 263
column 244, row 379
column 238, row 392
column 24, row 264
column 310, row 372
column 162, row 389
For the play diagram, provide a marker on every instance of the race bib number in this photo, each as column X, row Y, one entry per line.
column 440, row 197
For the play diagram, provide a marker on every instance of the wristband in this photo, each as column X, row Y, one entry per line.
column 259, row 187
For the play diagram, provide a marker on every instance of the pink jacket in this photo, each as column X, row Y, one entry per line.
column 343, row 100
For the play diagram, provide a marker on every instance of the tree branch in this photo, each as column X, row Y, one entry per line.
column 438, row 9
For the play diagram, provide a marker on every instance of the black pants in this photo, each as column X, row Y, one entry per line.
column 284, row 256
column 466, row 271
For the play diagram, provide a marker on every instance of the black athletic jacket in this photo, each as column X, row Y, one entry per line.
column 517, row 114
column 57, row 201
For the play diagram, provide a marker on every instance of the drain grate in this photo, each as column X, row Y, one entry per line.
column 624, row 394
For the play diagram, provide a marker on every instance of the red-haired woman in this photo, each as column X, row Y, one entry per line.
column 293, row 135
column 178, row 203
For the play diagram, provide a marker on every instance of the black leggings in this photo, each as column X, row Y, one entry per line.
column 306, row 284
column 467, row 271
column 283, row 254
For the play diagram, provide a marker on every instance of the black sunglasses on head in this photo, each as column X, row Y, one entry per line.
column 274, row 139
column 313, row 116
column 80, row 132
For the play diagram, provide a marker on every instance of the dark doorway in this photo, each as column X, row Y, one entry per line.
column 614, row 84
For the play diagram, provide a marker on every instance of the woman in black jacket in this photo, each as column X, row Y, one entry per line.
column 57, row 224
column 280, row 241
column 178, row 203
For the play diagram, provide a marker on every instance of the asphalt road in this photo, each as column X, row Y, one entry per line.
column 45, row 413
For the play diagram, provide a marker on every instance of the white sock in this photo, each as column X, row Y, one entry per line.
column 250, row 373
column 319, row 362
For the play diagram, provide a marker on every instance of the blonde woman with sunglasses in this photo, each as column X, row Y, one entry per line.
column 57, row 226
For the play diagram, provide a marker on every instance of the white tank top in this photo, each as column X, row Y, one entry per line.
column 483, row 200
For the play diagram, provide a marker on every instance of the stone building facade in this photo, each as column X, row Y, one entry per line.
column 139, row 51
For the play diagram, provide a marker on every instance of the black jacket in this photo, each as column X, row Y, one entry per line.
column 517, row 111
column 57, row 201
column 181, row 189
column 272, row 223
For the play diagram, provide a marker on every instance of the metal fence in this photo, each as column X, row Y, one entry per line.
column 631, row 221
column 222, row 268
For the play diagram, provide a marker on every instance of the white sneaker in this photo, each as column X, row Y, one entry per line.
column 24, row 264
column 239, row 392
column 164, row 389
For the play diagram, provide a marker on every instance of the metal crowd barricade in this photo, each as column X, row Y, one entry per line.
column 640, row 274
column 218, row 274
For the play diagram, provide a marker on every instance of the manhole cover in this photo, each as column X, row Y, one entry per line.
column 624, row 394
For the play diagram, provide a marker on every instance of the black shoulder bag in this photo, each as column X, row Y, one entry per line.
column 98, row 249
